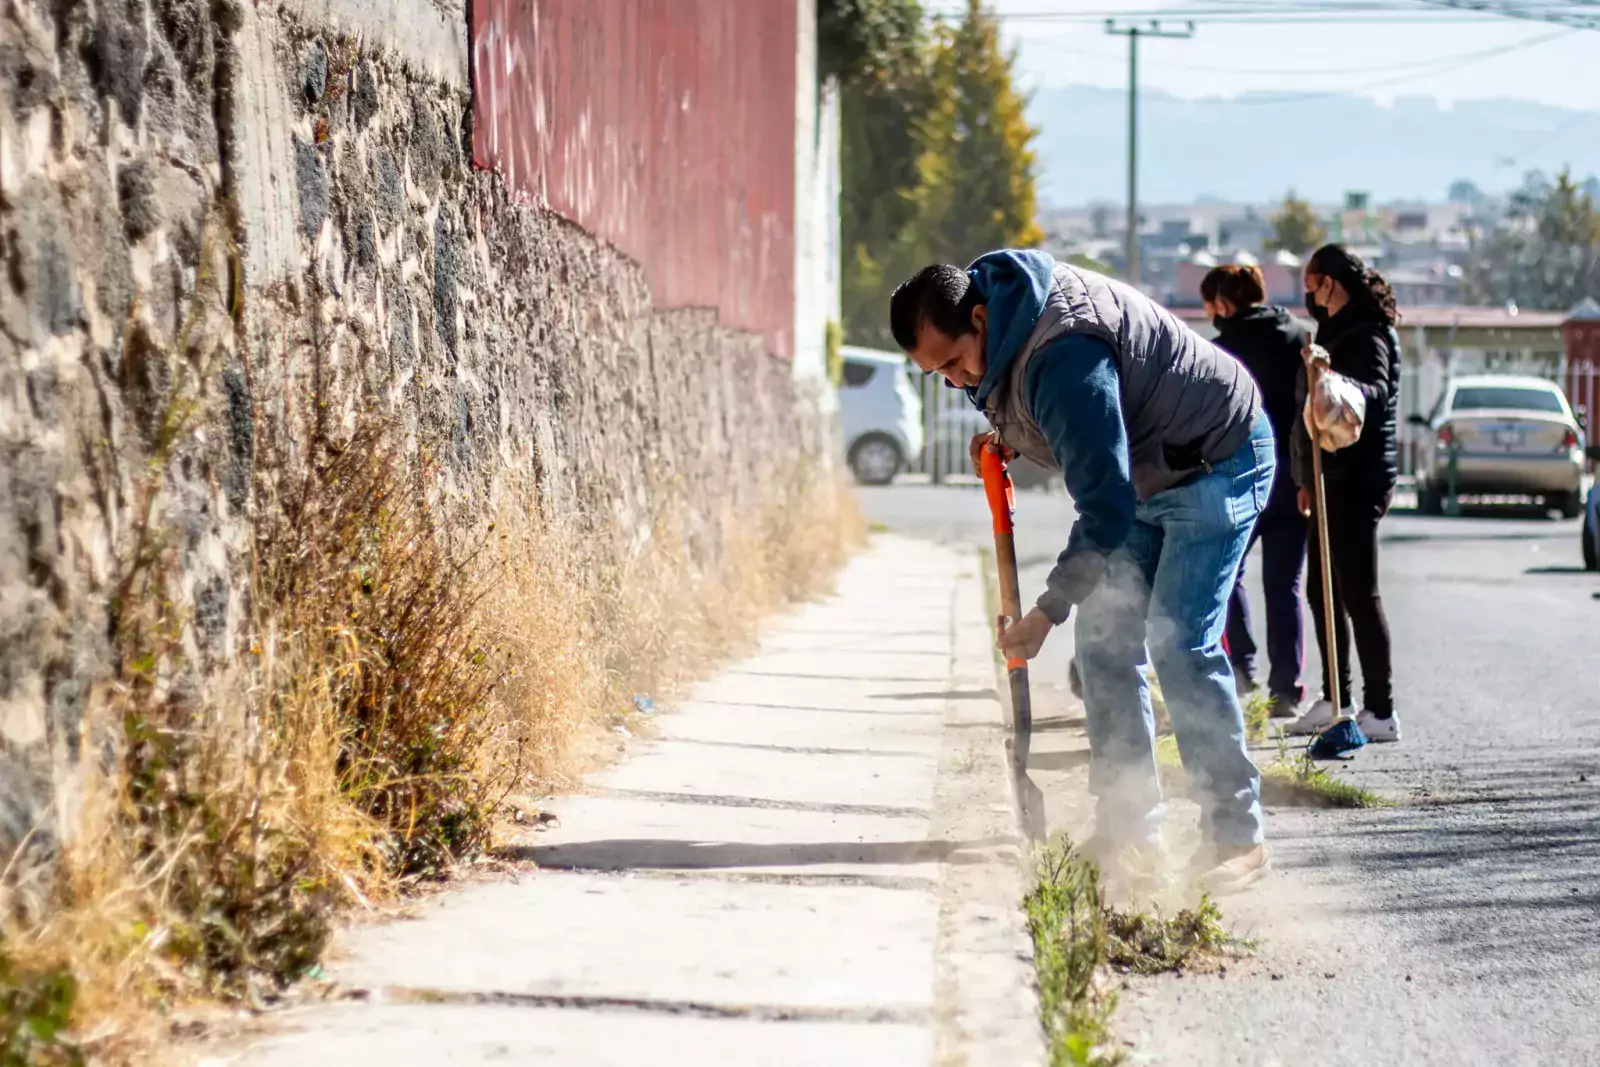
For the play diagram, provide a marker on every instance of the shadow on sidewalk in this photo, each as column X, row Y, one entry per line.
column 944, row 694
column 623, row 854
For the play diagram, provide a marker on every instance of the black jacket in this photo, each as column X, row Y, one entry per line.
column 1268, row 341
column 1364, row 348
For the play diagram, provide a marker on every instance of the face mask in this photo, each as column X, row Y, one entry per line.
column 1314, row 309
column 1217, row 322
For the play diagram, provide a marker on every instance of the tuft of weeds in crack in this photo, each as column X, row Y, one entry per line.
column 1294, row 780
column 1257, row 715
column 1298, row 781
column 1079, row 941
column 1066, row 920
column 1147, row 943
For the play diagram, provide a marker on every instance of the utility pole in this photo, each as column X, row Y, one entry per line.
column 1133, row 31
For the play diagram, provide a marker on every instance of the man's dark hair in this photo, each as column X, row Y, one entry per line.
column 940, row 295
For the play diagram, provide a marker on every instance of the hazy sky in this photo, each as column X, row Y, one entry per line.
column 1381, row 61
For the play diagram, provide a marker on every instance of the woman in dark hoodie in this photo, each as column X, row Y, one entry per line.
column 1356, row 315
column 1269, row 342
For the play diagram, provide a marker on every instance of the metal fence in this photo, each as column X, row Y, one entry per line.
column 948, row 422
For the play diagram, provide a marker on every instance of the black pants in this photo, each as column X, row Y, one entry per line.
column 1353, row 515
column 1281, row 530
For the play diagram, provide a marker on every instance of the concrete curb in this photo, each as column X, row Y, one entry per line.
column 986, row 1003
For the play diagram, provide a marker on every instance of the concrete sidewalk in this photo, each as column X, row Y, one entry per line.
column 817, row 862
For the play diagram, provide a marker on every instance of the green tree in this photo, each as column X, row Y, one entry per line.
column 937, row 158
column 883, row 103
column 978, row 167
column 1296, row 228
column 863, row 41
column 1544, row 252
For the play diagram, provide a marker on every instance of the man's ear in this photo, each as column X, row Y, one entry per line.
column 980, row 317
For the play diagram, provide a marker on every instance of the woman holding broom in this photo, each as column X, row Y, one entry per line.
column 1355, row 312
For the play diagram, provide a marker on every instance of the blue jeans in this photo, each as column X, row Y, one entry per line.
column 1163, row 602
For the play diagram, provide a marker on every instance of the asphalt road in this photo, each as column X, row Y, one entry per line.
column 1461, row 925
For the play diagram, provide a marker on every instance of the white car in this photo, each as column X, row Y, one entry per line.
column 881, row 414
column 1507, row 435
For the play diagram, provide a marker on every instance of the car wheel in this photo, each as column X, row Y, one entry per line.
column 875, row 460
column 1591, row 552
column 1569, row 504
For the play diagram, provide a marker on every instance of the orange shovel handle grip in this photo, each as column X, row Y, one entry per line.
column 997, row 489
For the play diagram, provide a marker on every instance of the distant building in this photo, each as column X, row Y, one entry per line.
column 1436, row 286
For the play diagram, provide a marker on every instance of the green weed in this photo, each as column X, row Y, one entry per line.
column 1067, row 922
column 1299, row 782
column 1078, row 940
column 1257, row 715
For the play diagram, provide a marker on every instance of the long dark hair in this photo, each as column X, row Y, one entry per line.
column 1366, row 286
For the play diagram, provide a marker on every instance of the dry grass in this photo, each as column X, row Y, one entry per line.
column 408, row 669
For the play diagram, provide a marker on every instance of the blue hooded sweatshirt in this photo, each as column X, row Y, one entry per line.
column 1073, row 392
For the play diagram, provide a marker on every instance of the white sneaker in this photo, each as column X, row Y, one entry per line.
column 1380, row 730
column 1316, row 719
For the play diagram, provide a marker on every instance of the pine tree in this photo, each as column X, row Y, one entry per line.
column 882, row 107
column 978, row 167
column 937, row 158
column 1296, row 228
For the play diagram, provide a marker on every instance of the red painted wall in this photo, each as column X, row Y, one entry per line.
column 666, row 127
column 1582, row 338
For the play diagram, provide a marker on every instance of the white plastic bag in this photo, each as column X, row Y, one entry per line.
column 1335, row 405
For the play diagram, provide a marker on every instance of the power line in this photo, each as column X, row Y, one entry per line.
column 1543, row 139
column 1389, row 83
column 1575, row 15
column 1425, row 65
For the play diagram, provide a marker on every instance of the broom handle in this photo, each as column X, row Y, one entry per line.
column 1329, row 641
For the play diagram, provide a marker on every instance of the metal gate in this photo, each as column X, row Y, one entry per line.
column 948, row 422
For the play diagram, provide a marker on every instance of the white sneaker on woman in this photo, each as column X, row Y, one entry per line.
column 1379, row 730
column 1316, row 719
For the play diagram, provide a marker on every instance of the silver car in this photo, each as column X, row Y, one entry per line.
column 1507, row 436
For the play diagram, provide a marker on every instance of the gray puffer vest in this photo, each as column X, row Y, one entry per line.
column 1186, row 403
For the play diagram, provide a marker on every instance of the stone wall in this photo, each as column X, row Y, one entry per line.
column 229, row 229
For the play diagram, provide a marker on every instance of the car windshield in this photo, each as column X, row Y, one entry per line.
column 1506, row 398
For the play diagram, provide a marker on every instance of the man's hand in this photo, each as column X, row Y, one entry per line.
column 1303, row 499
column 985, row 440
column 1025, row 637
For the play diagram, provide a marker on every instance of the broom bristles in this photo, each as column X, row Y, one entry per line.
column 1343, row 736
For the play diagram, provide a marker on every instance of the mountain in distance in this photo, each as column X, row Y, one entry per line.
column 1254, row 147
